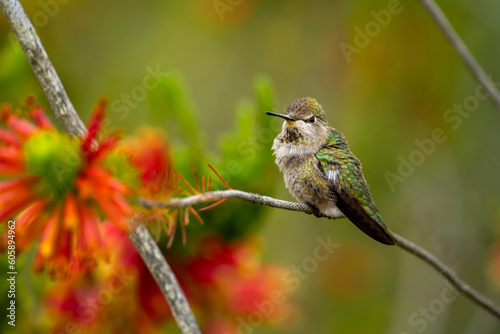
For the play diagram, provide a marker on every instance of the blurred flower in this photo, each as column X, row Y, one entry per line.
column 493, row 258
column 59, row 189
column 493, row 265
column 221, row 12
column 149, row 152
column 232, row 287
column 119, row 290
column 226, row 285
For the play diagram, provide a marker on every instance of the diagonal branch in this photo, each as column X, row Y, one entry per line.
column 449, row 274
column 231, row 193
column 403, row 243
column 73, row 125
column 42, row 67
column 67, row 116
column 165, row 278
column 462, row 50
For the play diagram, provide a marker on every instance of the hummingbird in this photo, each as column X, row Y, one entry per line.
column 320, row 170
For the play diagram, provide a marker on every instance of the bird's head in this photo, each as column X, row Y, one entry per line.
column 305, row 122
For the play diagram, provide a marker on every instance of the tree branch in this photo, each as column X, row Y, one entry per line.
column 462, row 50
column 151, row 254
column 403, row 243
column 165, row 278
column 232, row 193
column 73, row 125
column 449, row 274
column 42, row 67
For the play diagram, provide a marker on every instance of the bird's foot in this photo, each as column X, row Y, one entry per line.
column 315, row 210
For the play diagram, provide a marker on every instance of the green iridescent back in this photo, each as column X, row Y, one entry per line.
column 336, row 155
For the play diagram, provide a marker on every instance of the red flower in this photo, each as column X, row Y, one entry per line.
column 123, row 290
column 57, row 189
column 150, row 154
column 226, row 285
column 232, row 285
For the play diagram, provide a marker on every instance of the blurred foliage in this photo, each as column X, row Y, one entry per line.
column 392, row 93
column 239, row 160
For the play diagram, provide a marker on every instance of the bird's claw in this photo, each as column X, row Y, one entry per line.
column 315, row 210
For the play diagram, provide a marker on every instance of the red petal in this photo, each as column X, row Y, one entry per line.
column 41, row 119
column 9, row 138
column 28, row 215
column 50, row 235
column 11, row 155
column 122, row 205
column 70, row 216
column 30, row 224
column 9, row 185
column 104, row 147
column 10, row 169
column 22, row 127
column 116, row 211
column 90, row 234
column 59, row 264
column 104, row 179
column 94, row 124
column 13, row 201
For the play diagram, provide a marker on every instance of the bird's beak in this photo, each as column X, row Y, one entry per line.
column 285, row 117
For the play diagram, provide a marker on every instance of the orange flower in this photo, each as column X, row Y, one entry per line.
column 59, row 188
column 149, row 153
column 93, row 301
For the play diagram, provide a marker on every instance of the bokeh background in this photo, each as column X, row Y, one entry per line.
column 227, row 62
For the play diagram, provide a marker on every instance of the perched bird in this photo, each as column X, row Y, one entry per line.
column 320, row 169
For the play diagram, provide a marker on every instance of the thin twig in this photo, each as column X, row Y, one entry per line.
column 463, row 51
column 42, row 67
column 405, row 244
column 165, row 279
column 73, row 125
column 66, row 114
column 450, row 275
column 232, row 193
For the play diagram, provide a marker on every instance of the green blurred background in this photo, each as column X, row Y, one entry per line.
column 394, row 91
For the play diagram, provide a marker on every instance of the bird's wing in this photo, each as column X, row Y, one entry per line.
column 349, row 188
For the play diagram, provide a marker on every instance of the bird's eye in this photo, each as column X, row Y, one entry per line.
column 312, row 119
